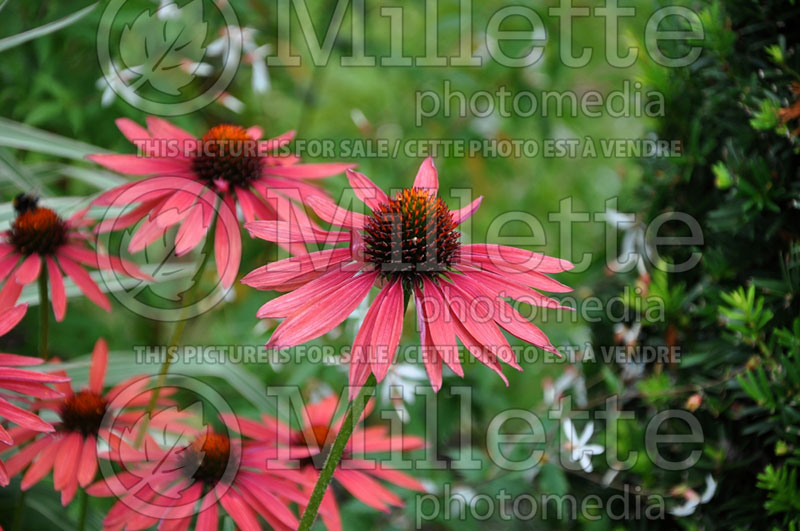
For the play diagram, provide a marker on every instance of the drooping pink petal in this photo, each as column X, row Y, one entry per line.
column 238, row 510
column 100, row 260
column 66, row 463
column 367, row 490
column 10, row 293
column 57, row 293
column 428, row 351
column 336, row 215
column 11, row 317
column 366, row 190
column 22, row 417
column 227, row 243
column 439, row 325
column 475, row 313
column 97, row 373
column 43, row 464
column 427, row 177
column 84, row 282
column 161, row 128
column 26, row 454
column 512, row 259
column 267, row 505
column 196, row 224
column 376, row 439
column 148, row 232
column 177, row 205
column 396, row 477
column 509, row 318
column 28, row 271
column 479, row 351
column 15, row 360
column 132, row 131
column 389, row 327
column 296, row 300
column 145, row 190
column 87, row 468
column 464, row 213
column 69, row 491
column 285, row 232
column 289, row 269
column 308, row 171
column 249, row 204
column 326, row 312
column 511, row 286
column 207, row 519
column 290, row 188
column 136, row 165
column 131, row 218
column 277, row 142
column 8, row 263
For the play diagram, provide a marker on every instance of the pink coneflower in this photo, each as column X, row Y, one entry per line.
column 188, row 175
column 20, row 382
column 407, row 246
column 170, row 486
column 39, row 238
column 311, row 444
column 71, row 450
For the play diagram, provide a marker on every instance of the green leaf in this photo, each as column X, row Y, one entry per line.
column 16, row 135
column 25, row 36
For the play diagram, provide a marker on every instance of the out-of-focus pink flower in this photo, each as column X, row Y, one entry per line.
column 38, row 239
column 408, row 246
column 169, row 485
column 21, row 382
column 312, row 443
column 70, row 451
column 190, row 180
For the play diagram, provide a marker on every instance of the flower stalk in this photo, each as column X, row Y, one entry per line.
column 354, row 411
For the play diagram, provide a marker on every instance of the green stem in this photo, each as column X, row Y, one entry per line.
column 44, row 314
column 354, row 411
column 84, row 506
column 177, row 334
column 20, row 512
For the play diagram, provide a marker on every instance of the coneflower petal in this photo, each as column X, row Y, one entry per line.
column 57, row 292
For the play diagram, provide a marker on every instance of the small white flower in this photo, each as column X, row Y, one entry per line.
column 634, row 245
column 231, row 102
column 693, row 500
column 569, row 379
column 118, row 83
column 579, row 449
column 167, row 10
column 253, row 54
column 686, row 509
column 711, row 489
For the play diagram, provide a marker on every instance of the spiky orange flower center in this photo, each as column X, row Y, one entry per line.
column 83, row 412
column 228, row 154
column 39, row 230
column 413, row 234
column 207, row 458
